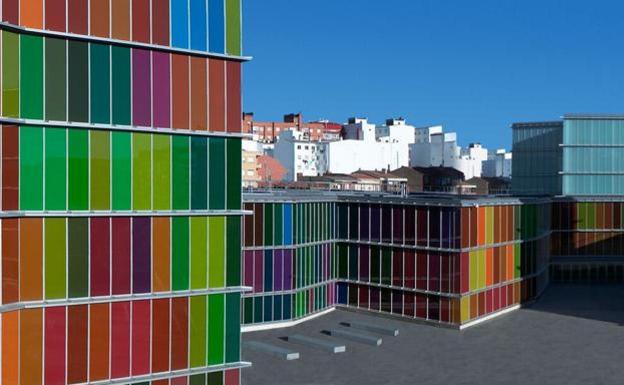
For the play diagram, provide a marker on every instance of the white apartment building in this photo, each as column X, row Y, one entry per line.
column 370, row 147
column 300, row 156
column 498, row 164
column 435, row 148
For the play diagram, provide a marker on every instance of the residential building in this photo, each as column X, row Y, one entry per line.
column 250, row 154
column 380, row 181
column 491, row 185
column 434, row 148
column 300, row 156
column 498, row 164
column 269, row 132
column 120, row 192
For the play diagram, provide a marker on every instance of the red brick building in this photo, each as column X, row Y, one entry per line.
column 267, row 132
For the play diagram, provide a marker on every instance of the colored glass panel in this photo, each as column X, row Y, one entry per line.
column 100, row 83
column 198, row 331
column 121, row 171
column 55, row 79
column 179, row 23
column 180, row 253
column 100, row 170
column 30, row 346
column 10, row 167
column 232, row 327
column 216, row 252
column 77, row 11
column 198, row 25
column 216, row 174
column 180, row 184
column 55, row 13
column 141, row 255
column 99, row 11
column 55, row 254
column 233, row 251
column 179, row 333
column 180, row 91
column 217, row 95
column 10, row 74
column 31, row 168
column 141, row 87
column 77, row 343
column 78, row 81
column 161, row 156
column 120, row 339
column 160, row 22
column 216, row 25
column 199, row 251
column 199, row 173
column 54, row 345
column 78, row 169
column 199, row 93
column 56, row 169
column 120, row 64
column 31, row 13
column 233, row 25
column 162, row 89
column 161, row 241
column 216, row 326
column 31, row 259
column 160, row 335
column 234, row 106
column 140, row 21
column 120, row 18
column 141, row 171
column 141, row 325
column 234, row 165
column 31, row 77
column 99, row 244
column 99, row 335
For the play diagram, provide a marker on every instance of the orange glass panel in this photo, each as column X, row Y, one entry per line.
column 180, row 91
column 98, row 341
column 100, row 21
column 10, row 347
column 31, row 13
column 31, row 347
column 510, row 261
column 121, row 19
column 31, row 259
column 199, row 97
column 161, row 239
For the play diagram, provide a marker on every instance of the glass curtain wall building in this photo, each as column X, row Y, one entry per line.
column 444, row 260
column 120, row 191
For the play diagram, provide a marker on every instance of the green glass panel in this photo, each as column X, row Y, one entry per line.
column 100, row 170
column 31, row 168
column 162, row 172
column 78, row 252
column 78, row 164
column 100, row 83
column 216, row 162
column 55, row 79
column 216, row 252
column 214, row 378
column 233, row 27
column 31, row 77
column 268, row 224
column 233, row 251
column 120, row 60
column 141, row 171
column 10, row 74
column 78, row 81
column 216, row 324
column 180, row 253
column 198, row 331
column 199, row 252
column 197, row 379
column 234, row 165
column 180, row 183
column 56, row 168
column 199, row 173
column 55, row 247
column 386, row 266
column 591, row 216
column 232, row 327
column 248, row 310
column 257, row 305
column 517, row 261
column 122, row 184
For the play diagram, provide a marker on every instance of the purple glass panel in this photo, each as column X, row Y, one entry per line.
column 364, row 222
column 141, row 88
column 141, row 251
column 288, row 270
column 397, row 225
column 397, row 302
column 410, row 268
column 258, row 271
column 162, row 90
column 248, row 268
column 421, row 270
column 375, row 223
column 408, row 304
column 278, row 272
column 374, row 298
column 364, row 263
column 434, row 272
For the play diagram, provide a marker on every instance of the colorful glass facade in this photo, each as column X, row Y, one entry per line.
column 449, row 261
column 288, row 258
column 120, row 192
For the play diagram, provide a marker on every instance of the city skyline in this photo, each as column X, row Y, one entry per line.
column 473, row 74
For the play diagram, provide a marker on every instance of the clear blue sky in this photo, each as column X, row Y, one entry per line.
column 474, row 66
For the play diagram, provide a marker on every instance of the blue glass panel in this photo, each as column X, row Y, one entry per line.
column 198, row 25
column 216, row 25
column 288, row 224
column 179, row 23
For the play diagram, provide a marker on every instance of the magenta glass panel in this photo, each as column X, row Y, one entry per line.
column 140, row 337
column 408, row 304
column 278, row 273
column 248, row 268
column 397, row 302
column 421, row 270
column 410, row 225
column 363, row 297
column 434, row 272
column 141, row 88
column 397, row 267
column 162, row 89
column 421, row 305
column 55, row 363
column 374, row 298
column 120, row 339
column 288, row 278
column 397, row 224
column 141, row 251
column 121, row 255
column 409, row 260
column 445, row 273
column 364, row 263
column 258, row 271
column 445, row 310
column 100, row 256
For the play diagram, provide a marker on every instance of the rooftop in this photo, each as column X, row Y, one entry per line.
column 572, row 335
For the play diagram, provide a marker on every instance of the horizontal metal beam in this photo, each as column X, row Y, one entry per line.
column 372, row 328
column 317, row 343
column 357, row 337
column 273, row 350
